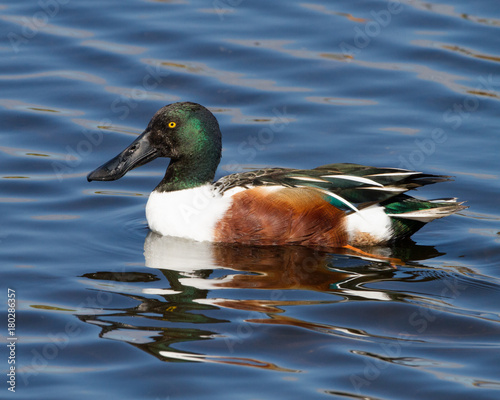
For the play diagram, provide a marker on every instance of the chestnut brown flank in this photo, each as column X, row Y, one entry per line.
column 285, row 216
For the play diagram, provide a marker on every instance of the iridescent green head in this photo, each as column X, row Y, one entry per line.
column 187, row 133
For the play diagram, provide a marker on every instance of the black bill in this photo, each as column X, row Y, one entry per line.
column 138, row 153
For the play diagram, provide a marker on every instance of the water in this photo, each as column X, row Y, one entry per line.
column 105, row 308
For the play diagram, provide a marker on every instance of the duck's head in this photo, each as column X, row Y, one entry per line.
column 187, row 133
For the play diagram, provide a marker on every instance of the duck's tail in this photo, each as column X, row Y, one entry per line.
column 408, row 214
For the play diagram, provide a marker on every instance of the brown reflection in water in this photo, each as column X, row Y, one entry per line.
column 276, row 267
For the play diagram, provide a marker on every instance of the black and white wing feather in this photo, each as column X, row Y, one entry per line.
column 349, row 186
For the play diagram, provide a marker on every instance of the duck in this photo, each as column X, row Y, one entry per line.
column 333, row 205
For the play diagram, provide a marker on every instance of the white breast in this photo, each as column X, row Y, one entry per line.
column 189, row 213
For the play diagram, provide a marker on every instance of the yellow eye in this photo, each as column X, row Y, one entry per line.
column 172, row 124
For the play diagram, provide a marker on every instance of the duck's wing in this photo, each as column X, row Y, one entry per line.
column 348, row 186
column 259, row 177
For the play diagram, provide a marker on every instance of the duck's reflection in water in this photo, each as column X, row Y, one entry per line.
column 200, row 278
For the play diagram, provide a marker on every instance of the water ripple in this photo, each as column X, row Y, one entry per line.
column 226, row 77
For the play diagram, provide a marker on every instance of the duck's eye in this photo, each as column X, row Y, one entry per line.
column 172, row 124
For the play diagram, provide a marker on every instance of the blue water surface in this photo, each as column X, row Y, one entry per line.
column 105, row 308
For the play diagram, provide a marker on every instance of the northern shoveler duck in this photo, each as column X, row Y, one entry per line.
column 330, row 206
